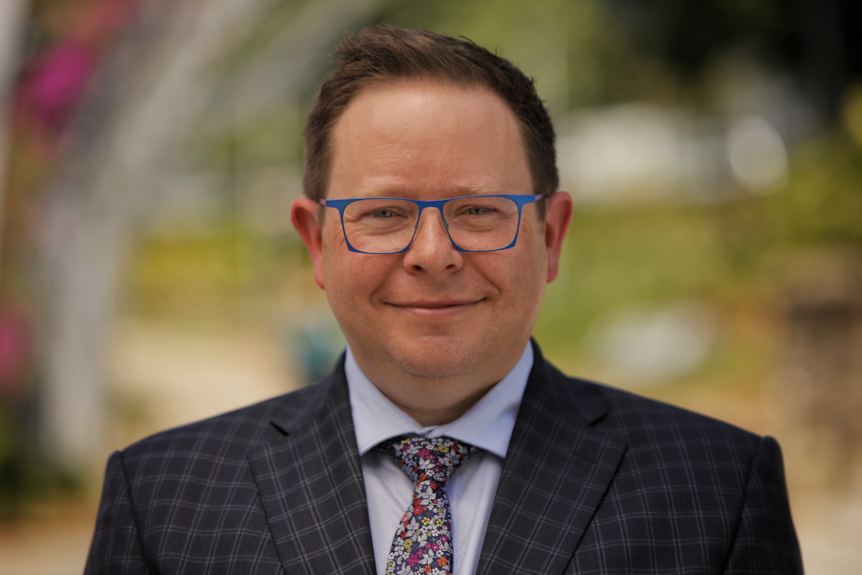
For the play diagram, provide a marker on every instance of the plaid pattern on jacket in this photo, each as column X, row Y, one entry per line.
column 596, row 480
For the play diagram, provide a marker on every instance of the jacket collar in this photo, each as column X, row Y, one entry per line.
column 556, row 472
column 311, row 485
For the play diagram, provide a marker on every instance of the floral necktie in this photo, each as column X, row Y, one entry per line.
column 423, row 541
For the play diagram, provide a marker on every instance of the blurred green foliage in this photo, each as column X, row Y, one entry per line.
column 25, row 474
column 729, row 254
column 201, row 278
column 576, row 50
column 822, row 203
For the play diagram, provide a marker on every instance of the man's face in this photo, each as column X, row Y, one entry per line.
column 432, row 312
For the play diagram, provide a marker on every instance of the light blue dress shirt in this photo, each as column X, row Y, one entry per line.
column 389, row 490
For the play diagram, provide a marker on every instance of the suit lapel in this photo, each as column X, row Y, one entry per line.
column 312, row 490
column 556, row 472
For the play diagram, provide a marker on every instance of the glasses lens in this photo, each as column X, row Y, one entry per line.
column 380, row 226
column 482, row 223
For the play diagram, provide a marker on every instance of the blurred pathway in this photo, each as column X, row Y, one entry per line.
column 166, row 377
column 54, row 544
column 830, row 533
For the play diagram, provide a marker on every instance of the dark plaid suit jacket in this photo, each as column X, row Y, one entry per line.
column 596, row 480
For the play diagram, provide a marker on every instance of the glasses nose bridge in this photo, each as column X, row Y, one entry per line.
column 433, row 204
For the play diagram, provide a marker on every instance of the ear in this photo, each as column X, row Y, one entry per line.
column 557, row 220
column 303, row 214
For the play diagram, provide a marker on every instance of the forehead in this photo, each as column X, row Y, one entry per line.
column 426, row 139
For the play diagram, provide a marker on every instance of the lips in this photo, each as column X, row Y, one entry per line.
column 434, row 304
column 435, row 310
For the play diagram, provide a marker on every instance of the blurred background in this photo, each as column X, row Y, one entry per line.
column 149, row 274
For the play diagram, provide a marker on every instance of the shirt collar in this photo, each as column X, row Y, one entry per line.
column 487, row 425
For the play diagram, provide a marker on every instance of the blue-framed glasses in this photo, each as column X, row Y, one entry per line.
column 485, row 223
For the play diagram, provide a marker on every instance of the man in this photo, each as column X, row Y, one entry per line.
column 433, row 223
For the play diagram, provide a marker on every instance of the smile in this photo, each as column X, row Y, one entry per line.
column 435, row 309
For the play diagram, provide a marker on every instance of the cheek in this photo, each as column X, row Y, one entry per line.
column 534, row 255
column 518, row 276
column 531, row 278
column 351, row 279
column 530, row 286
column 346, row 293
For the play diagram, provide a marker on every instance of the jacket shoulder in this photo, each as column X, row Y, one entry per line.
column 648, row 423
column 228, row 436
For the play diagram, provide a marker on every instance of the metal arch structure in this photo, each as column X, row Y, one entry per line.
column 147, row 97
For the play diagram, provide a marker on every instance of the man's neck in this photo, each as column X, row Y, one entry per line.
column 432, row 400
column 446, row 414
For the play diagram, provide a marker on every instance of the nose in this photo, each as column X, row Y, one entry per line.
column 432, row 251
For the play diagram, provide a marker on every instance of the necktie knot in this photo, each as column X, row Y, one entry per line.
column 429, row 458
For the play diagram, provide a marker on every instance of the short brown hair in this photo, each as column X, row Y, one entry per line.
column 380, row 54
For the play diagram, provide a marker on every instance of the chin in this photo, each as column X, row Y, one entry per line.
column 437, row 357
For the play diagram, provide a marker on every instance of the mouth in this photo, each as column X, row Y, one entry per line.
column 434, row 304
column 435, row 308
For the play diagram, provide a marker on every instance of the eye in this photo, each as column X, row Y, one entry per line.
column 478, row 210
column 383, row 213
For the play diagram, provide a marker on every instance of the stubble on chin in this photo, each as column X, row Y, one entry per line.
column 437, row 357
